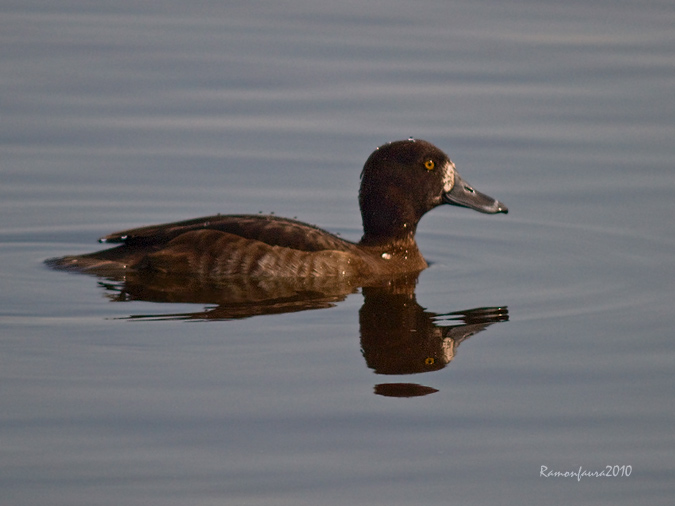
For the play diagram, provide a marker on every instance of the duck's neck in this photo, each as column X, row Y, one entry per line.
column 388, row 226
column 389, row 214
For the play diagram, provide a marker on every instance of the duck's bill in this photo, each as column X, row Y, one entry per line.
column 464, row 195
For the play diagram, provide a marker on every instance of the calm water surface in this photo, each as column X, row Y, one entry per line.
column 125, row 115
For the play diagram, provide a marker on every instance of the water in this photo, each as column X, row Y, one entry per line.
column 124, row 115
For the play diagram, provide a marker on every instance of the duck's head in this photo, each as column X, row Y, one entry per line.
column 402, row 180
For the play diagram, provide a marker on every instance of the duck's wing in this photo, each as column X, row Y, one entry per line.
column 268, row 229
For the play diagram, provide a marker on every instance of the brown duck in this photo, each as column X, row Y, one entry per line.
column 400, row 182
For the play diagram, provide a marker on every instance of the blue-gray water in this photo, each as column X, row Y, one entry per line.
column 135, row 113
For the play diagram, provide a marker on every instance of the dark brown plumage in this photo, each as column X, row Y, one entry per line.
column 400, row 182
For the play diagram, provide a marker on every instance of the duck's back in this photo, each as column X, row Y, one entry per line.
column 221, row 246
column 268, row 229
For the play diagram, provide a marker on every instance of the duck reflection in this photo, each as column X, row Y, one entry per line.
column 398, row 336
column 236, row 299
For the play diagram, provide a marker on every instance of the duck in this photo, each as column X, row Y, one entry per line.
column 400, row 182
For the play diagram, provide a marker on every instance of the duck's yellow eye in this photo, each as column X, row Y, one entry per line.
column 429, row 165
